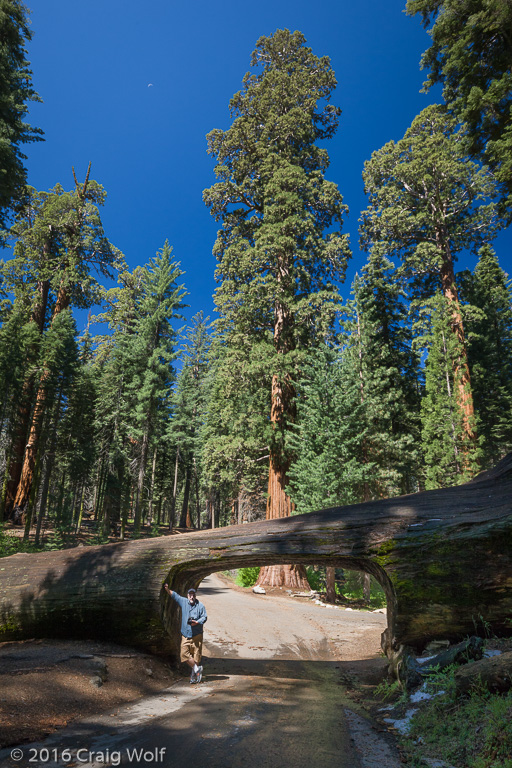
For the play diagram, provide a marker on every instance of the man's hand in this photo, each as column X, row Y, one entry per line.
column 169, row 591
column 193, row 622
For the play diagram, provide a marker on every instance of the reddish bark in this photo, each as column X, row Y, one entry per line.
column 29, row 459
column 461, row 373
column 25, row 406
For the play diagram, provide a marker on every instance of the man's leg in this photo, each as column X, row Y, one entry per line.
column 197, row 653
column 186, row 654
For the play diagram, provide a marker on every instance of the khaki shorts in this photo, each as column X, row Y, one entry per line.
column 191, row 648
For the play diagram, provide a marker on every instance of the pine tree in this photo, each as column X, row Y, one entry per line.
column 136, row 375
column 443, row 428
column 428, row 201
column 280, row 252
column 490, row 352
column 389, row 377
column 185, row 429
column 329, row 467
column 60, row 239
column 471, row 56
column 15, row 92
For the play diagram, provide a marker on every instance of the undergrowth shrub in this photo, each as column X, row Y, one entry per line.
column 247, row 577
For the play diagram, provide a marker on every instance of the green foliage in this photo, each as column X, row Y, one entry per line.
column 442, row 422
column 16, row 92
column 247, row 577
column 471, row 732
column 489, row 329
column 414, row 183
column 471, row 57
column 389, row 690
column 328, row 440
column 280, row 250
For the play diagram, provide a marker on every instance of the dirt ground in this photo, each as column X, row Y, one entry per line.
column 44, row 684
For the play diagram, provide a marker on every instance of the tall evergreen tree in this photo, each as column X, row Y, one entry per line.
column 471, row 56
column 280, row 250
column 329, row 466
column 389, row 376
column 490, row 352
column 185, row 428
column 16, row 91
column 428, row 201
column 59, row 242
column 443, row 429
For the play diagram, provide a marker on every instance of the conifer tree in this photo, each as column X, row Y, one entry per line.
column 471, row 56
column 428, row 201
column 443, row 428
column 16, row 91
column 389, row 376
column 280, row 251
column 60, row 240
column 185, row 429
column 329, row 467
column 490, row 352
column 136, row 374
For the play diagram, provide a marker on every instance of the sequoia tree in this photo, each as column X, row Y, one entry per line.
column 280, row 250
column 471, row 56
column 428, row 201
column 15, row 91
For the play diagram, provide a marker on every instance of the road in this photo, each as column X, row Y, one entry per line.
column 273, row 696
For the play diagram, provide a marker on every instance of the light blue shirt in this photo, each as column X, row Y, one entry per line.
column 196, row 612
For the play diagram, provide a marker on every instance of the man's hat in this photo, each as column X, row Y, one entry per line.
column 191, row 590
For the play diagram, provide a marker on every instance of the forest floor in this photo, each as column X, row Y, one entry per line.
column 44, row 684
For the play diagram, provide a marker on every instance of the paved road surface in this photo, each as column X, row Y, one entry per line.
column 272, row 696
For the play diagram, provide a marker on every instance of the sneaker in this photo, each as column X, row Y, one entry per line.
column 193, row 678
column 199, row 674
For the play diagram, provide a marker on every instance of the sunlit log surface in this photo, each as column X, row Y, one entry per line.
column 443, row 557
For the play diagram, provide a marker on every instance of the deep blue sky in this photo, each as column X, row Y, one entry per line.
column 92, row 65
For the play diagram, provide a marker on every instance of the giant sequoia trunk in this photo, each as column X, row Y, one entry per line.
column 279, row 503
column 29, row 459
column 461, row 375
column 422, row 548
column 25, row 405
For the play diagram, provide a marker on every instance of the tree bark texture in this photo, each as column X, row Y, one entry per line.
column 330, row 584
column 443, row 558
column 29, row 459
column 25, row 406
column 461, row 368
column 494, row 674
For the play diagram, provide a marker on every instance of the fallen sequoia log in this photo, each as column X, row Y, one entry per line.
column 444, row 559
column 494, row 675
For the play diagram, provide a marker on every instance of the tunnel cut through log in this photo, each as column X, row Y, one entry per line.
column 181, row 581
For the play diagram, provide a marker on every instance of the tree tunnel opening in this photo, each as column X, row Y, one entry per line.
column 186, row 575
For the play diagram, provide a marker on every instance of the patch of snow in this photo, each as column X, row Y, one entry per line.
column 424, row 659
column 490, row 654
column 259, row 590
column 414, row 525
column 424, row 696
column 349, row 609
column 402, row 726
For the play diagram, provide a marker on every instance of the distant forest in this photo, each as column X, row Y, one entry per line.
column 291, row 399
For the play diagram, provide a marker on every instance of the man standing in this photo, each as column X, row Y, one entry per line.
column 193, row 616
